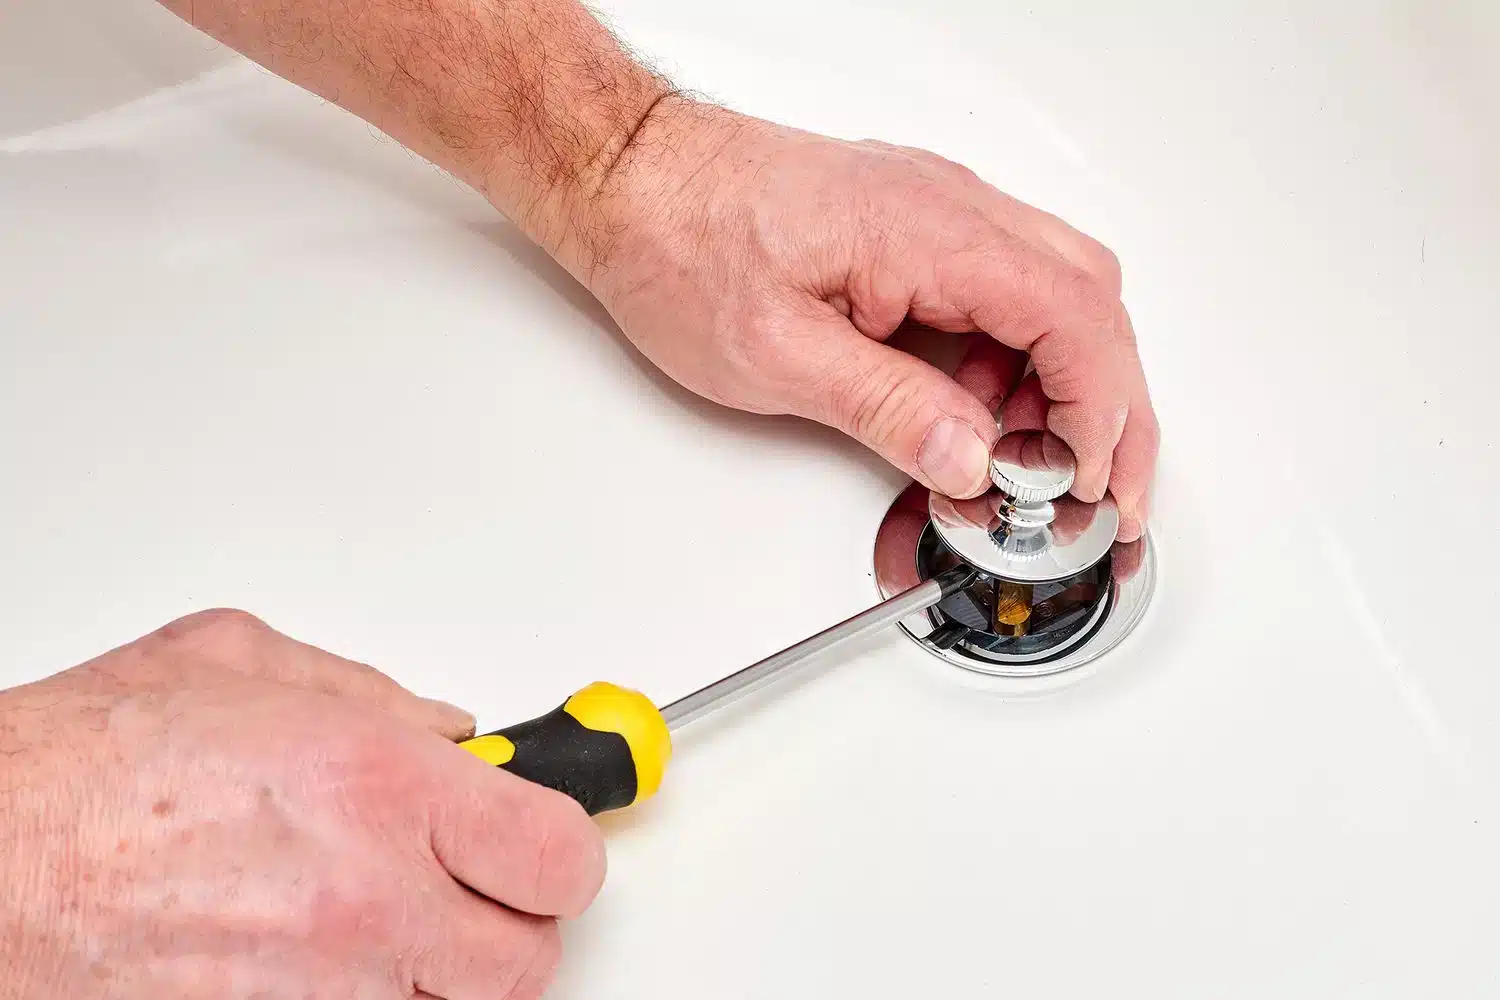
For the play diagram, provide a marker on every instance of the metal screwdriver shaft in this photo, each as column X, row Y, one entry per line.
column 720, row 693
column 607, row 747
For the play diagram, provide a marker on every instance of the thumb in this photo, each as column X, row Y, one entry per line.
column 903, row 409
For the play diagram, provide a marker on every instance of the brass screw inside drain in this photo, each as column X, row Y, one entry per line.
column 1012, row 608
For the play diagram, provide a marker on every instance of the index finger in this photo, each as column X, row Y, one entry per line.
column 521, row 844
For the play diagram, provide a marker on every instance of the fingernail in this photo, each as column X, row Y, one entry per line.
column 454, row 719
column 954, row 459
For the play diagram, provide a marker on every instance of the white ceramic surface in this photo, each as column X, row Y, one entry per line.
column 252, row 354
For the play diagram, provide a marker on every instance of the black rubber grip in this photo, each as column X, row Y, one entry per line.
column 594, row 768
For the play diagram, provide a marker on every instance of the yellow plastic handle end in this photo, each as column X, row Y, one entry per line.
column 609, row 708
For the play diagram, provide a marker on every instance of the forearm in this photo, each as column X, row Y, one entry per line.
column 529, row 101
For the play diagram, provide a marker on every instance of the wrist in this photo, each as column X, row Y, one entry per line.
column 556, row 201
column 657, row 195
column 558, row 133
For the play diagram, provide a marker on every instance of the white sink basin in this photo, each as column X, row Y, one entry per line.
column 252, row 354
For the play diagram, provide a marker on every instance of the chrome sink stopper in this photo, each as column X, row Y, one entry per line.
column 1049, row 588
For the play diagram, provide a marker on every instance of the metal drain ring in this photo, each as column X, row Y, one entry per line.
column 899, row 542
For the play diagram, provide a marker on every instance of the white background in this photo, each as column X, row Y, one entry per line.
column 252, row 354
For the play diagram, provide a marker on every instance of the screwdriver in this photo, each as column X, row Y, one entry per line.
column 607, row 746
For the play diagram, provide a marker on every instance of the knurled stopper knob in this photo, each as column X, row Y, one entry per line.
column 1028, row 468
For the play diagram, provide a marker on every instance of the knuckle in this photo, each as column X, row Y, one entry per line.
column 1061, row 367
column 958, row 171
column 233, row 618
column 339, row 674
column 227, row 632
column 1100, row 262
column 1082, row 294
column 935, row 163
column 998, row 282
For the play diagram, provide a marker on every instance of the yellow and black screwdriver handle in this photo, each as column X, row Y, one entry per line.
column 607, row 747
